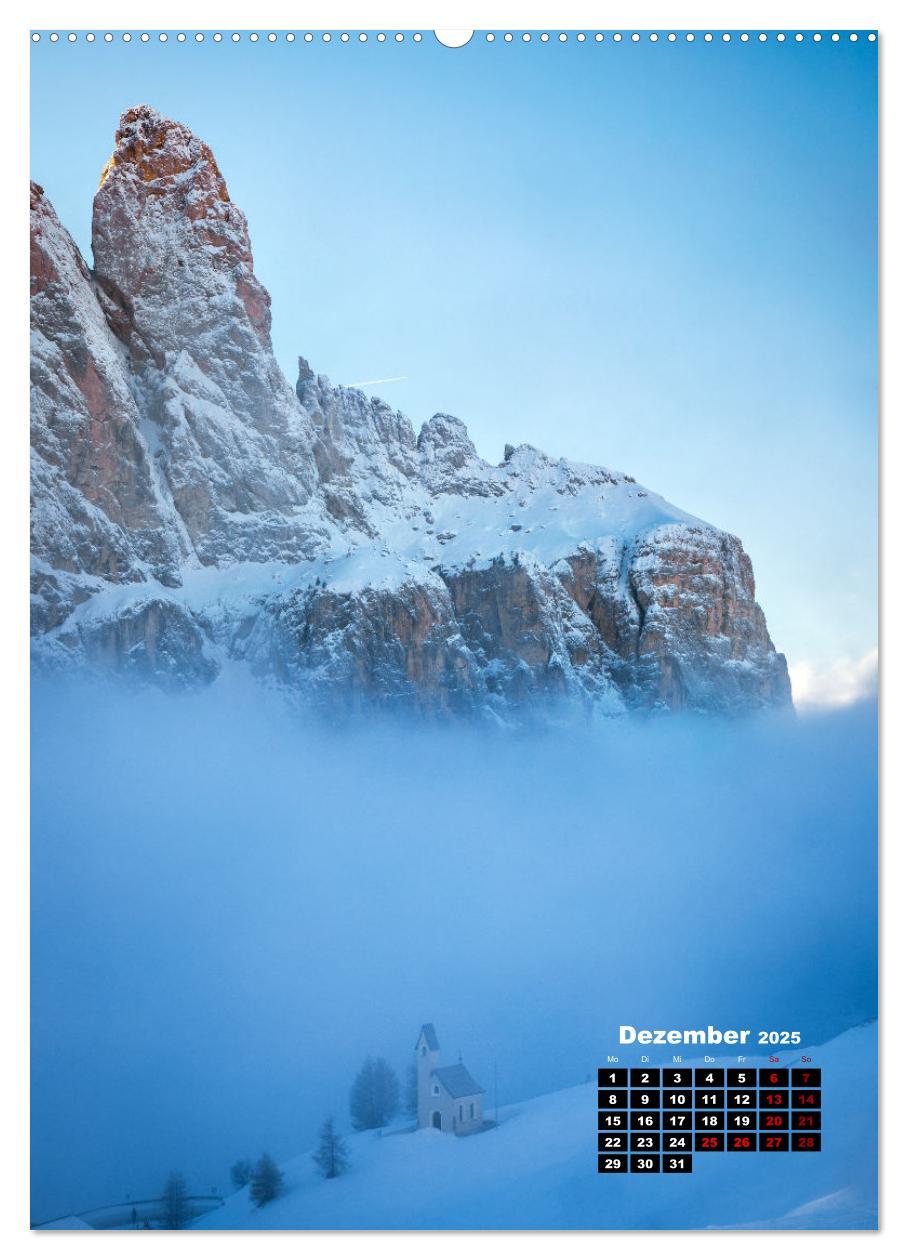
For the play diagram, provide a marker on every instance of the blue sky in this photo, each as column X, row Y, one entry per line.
column 659, row 257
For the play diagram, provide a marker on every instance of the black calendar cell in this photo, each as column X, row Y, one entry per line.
column 612, row 1076
column 709, row 1120
column 741, row 1099
column 742, row 1142
column 709, row 1098
column 705, row 1077
column 805, row 1141
column 613, row 1163
column 612, row 1119
column 677, row 1141
column 772, row 1099
column 804, row 1098
column 609, row 1099
column 612, row 1142
column 644, row 1141
column 805, row 1078
column 773, row 1120
column 737, row 1077
column 709, row 1141
column 644, row 1120
column 644, row 1099
column 677, row 1164
column 645, row 1163
column 674, row 1120
column 678, row 1099
column 773, row 1141
column 735, row 1120
column 801, row 1120
column 773, row 1076
column 672, row 1077
column 641, row 1077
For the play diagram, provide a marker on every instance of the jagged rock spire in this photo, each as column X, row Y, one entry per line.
column 174, row 263
column 347, row 560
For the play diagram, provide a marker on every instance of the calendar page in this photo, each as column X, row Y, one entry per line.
column 453, row 658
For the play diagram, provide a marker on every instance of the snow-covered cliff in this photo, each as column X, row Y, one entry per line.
column 191, row 510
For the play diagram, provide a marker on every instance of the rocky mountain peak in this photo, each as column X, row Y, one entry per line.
column 52, row 248
column 444, row 438
column 154, row 148
column 448, row 459
column 163, row 187
column 191, row 509
column 173, row 264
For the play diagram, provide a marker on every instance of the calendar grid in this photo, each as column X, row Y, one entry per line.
column 656, row 1119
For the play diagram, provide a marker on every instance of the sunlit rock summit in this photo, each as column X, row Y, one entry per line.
column 192, row 513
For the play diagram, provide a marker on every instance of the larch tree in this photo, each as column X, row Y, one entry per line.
column 375, row 1096
column 175, row 1212
column 241, row 1173
column 267, row 1181
column 332, row 1155
column 411, row 1092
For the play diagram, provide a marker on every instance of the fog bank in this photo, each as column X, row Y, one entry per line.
column 230, row 911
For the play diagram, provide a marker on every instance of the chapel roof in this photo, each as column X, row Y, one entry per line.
column 431, row 1038
column 457, row 1081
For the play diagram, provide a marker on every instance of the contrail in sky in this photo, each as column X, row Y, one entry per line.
column 385, row 380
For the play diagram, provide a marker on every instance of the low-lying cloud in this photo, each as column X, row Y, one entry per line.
column 848, row 680
column 230, row 911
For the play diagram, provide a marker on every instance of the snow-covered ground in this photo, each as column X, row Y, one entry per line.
column 537, row 1170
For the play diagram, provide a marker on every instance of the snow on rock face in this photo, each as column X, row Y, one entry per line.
column 529, row 637
column 190, row 508
column 173, row 259
column 448, row 459
column 365, row 452
column 152, row 638
column 96, row 508
column 342, row 649
column 700, row 631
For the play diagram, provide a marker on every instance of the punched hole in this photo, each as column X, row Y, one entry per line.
column 453, row 39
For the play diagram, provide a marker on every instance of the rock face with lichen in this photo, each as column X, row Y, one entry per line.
column 192, row 514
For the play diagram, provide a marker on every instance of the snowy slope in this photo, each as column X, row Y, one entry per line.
column 66, row 1223
column 537, row 1170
